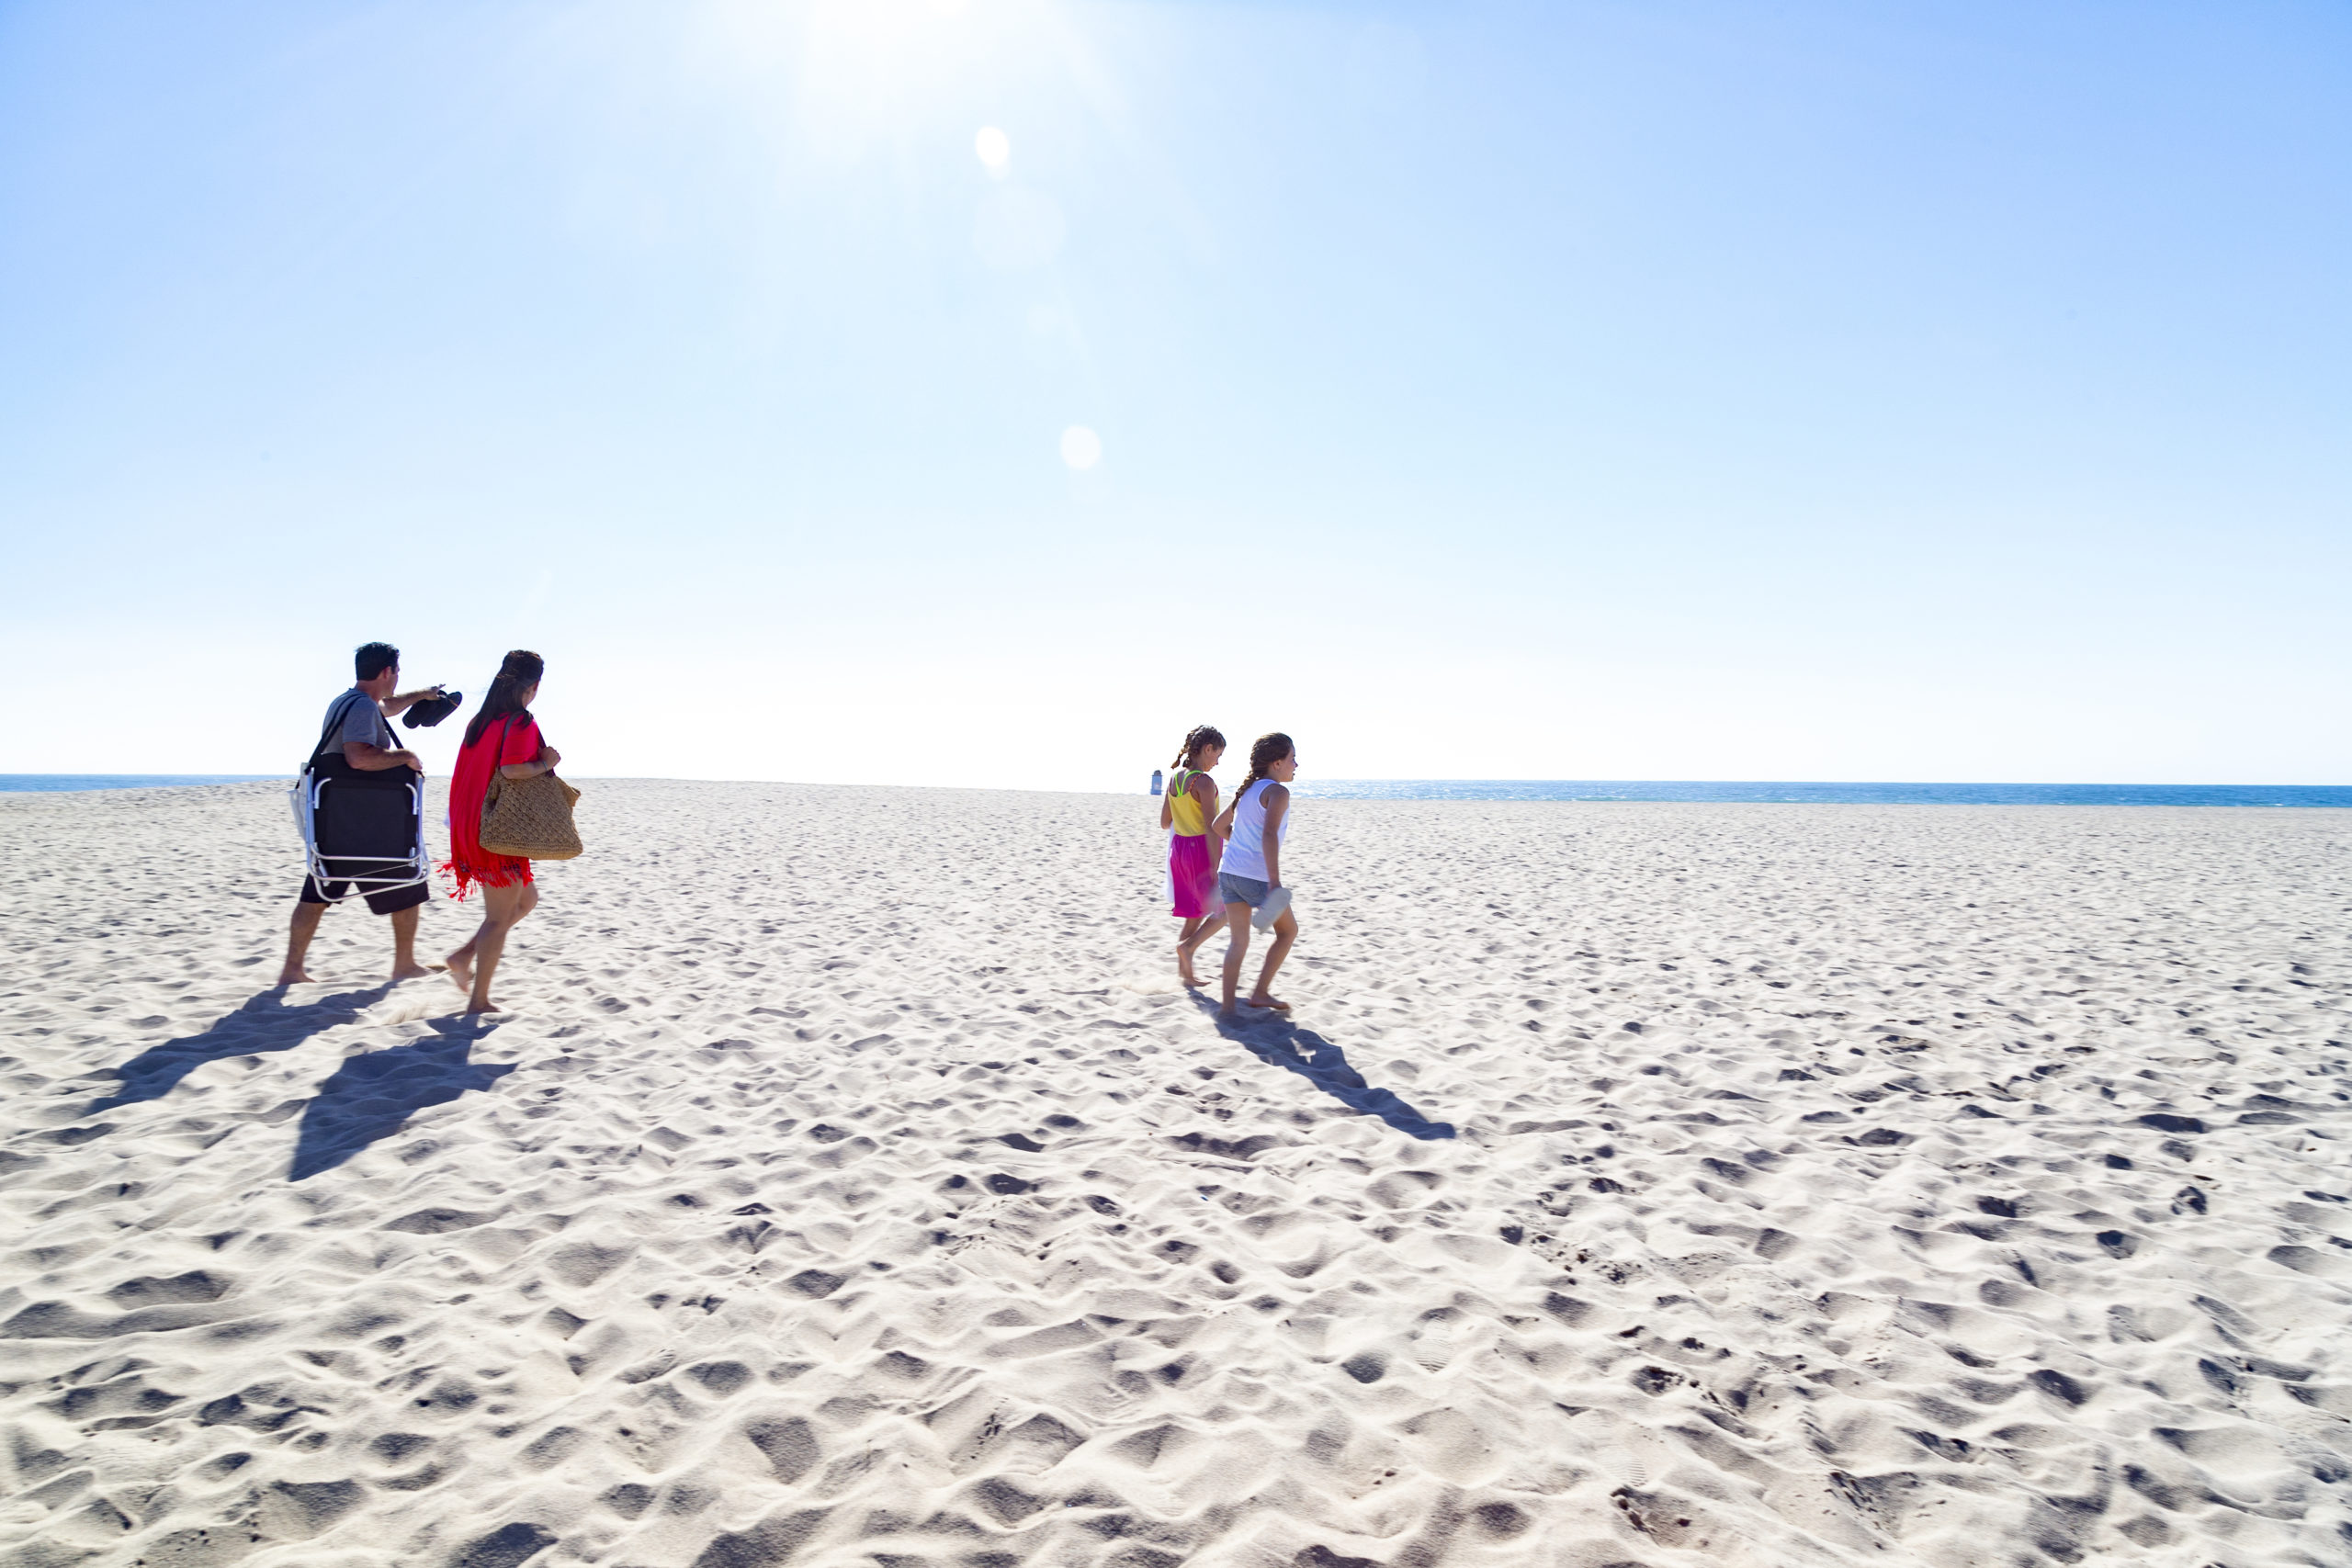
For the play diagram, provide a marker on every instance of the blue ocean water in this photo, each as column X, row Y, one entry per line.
column 18, row 781
column 2339, row 795
column 1828, row 794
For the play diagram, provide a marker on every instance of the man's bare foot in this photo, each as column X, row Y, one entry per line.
column 293, row 975
column 410, row 972
column 1271, row 1004
column 462, row 970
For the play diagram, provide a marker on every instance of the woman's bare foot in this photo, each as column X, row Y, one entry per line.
column 485, row 1005
column 410, row 972
column 1271, row 1004
column 293, row 975
column 462, row 969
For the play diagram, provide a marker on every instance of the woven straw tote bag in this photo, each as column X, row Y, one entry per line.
column 529, row 819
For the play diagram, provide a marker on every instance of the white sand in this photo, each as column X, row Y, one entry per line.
column 852, row 1185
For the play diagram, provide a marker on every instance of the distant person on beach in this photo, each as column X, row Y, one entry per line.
column 1185, row 811
column 356, row 735
column 1251, row 875
column 504, row 736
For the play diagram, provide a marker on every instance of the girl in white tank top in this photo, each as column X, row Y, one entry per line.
column 1251, row 871
column 1245, row 854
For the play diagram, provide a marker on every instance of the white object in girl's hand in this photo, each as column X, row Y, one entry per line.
column 1267, row 913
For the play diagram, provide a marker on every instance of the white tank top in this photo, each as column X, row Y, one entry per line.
column 1245, row 852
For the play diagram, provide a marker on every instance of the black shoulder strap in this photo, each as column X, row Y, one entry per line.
column 334, row 720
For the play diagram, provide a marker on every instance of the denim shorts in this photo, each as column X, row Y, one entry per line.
column 1240, row 889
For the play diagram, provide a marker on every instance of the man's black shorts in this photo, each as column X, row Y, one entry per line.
column 390, row 902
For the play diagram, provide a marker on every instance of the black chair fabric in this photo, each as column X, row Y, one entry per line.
column 367, row 821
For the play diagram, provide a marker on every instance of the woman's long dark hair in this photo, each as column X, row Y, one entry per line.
column 518, row 673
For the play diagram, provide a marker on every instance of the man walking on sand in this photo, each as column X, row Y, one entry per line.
column 356, row 726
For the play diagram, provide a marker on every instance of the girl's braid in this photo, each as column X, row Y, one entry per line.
column 1264, row 753
column 1201, row 735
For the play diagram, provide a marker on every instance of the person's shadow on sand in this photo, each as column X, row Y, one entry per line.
column 265, row 1023
column 1273, row 1038
column 373, row 1095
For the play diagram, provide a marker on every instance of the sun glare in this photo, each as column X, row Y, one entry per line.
column 857, row 73
column 995, row 147
column 1082, row 449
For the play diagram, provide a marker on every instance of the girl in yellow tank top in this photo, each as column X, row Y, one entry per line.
column 1185, row 812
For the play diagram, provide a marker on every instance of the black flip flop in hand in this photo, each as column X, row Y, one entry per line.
column 432, row 710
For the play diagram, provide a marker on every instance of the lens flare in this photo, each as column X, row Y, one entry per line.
column 995, row 147
column 1082, row 449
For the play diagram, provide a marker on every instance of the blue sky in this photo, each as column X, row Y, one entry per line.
column 1660, row 390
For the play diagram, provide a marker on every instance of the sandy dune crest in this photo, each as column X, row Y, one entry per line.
column 1635, row 1184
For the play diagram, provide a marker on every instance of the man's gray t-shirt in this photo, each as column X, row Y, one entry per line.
column 362, row 721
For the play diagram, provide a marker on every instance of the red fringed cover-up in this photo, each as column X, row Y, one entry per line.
column 511, row 740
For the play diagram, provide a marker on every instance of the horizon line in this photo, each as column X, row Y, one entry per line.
column 1352, row 779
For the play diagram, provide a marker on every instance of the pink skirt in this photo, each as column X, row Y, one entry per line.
column 1191, row 876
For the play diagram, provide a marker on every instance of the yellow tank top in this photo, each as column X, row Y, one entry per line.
column 1184, row 812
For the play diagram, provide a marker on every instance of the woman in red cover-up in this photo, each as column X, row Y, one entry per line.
column 504, row 736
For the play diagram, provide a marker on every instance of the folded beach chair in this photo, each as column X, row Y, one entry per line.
column 370, row 835
column 366, row 829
